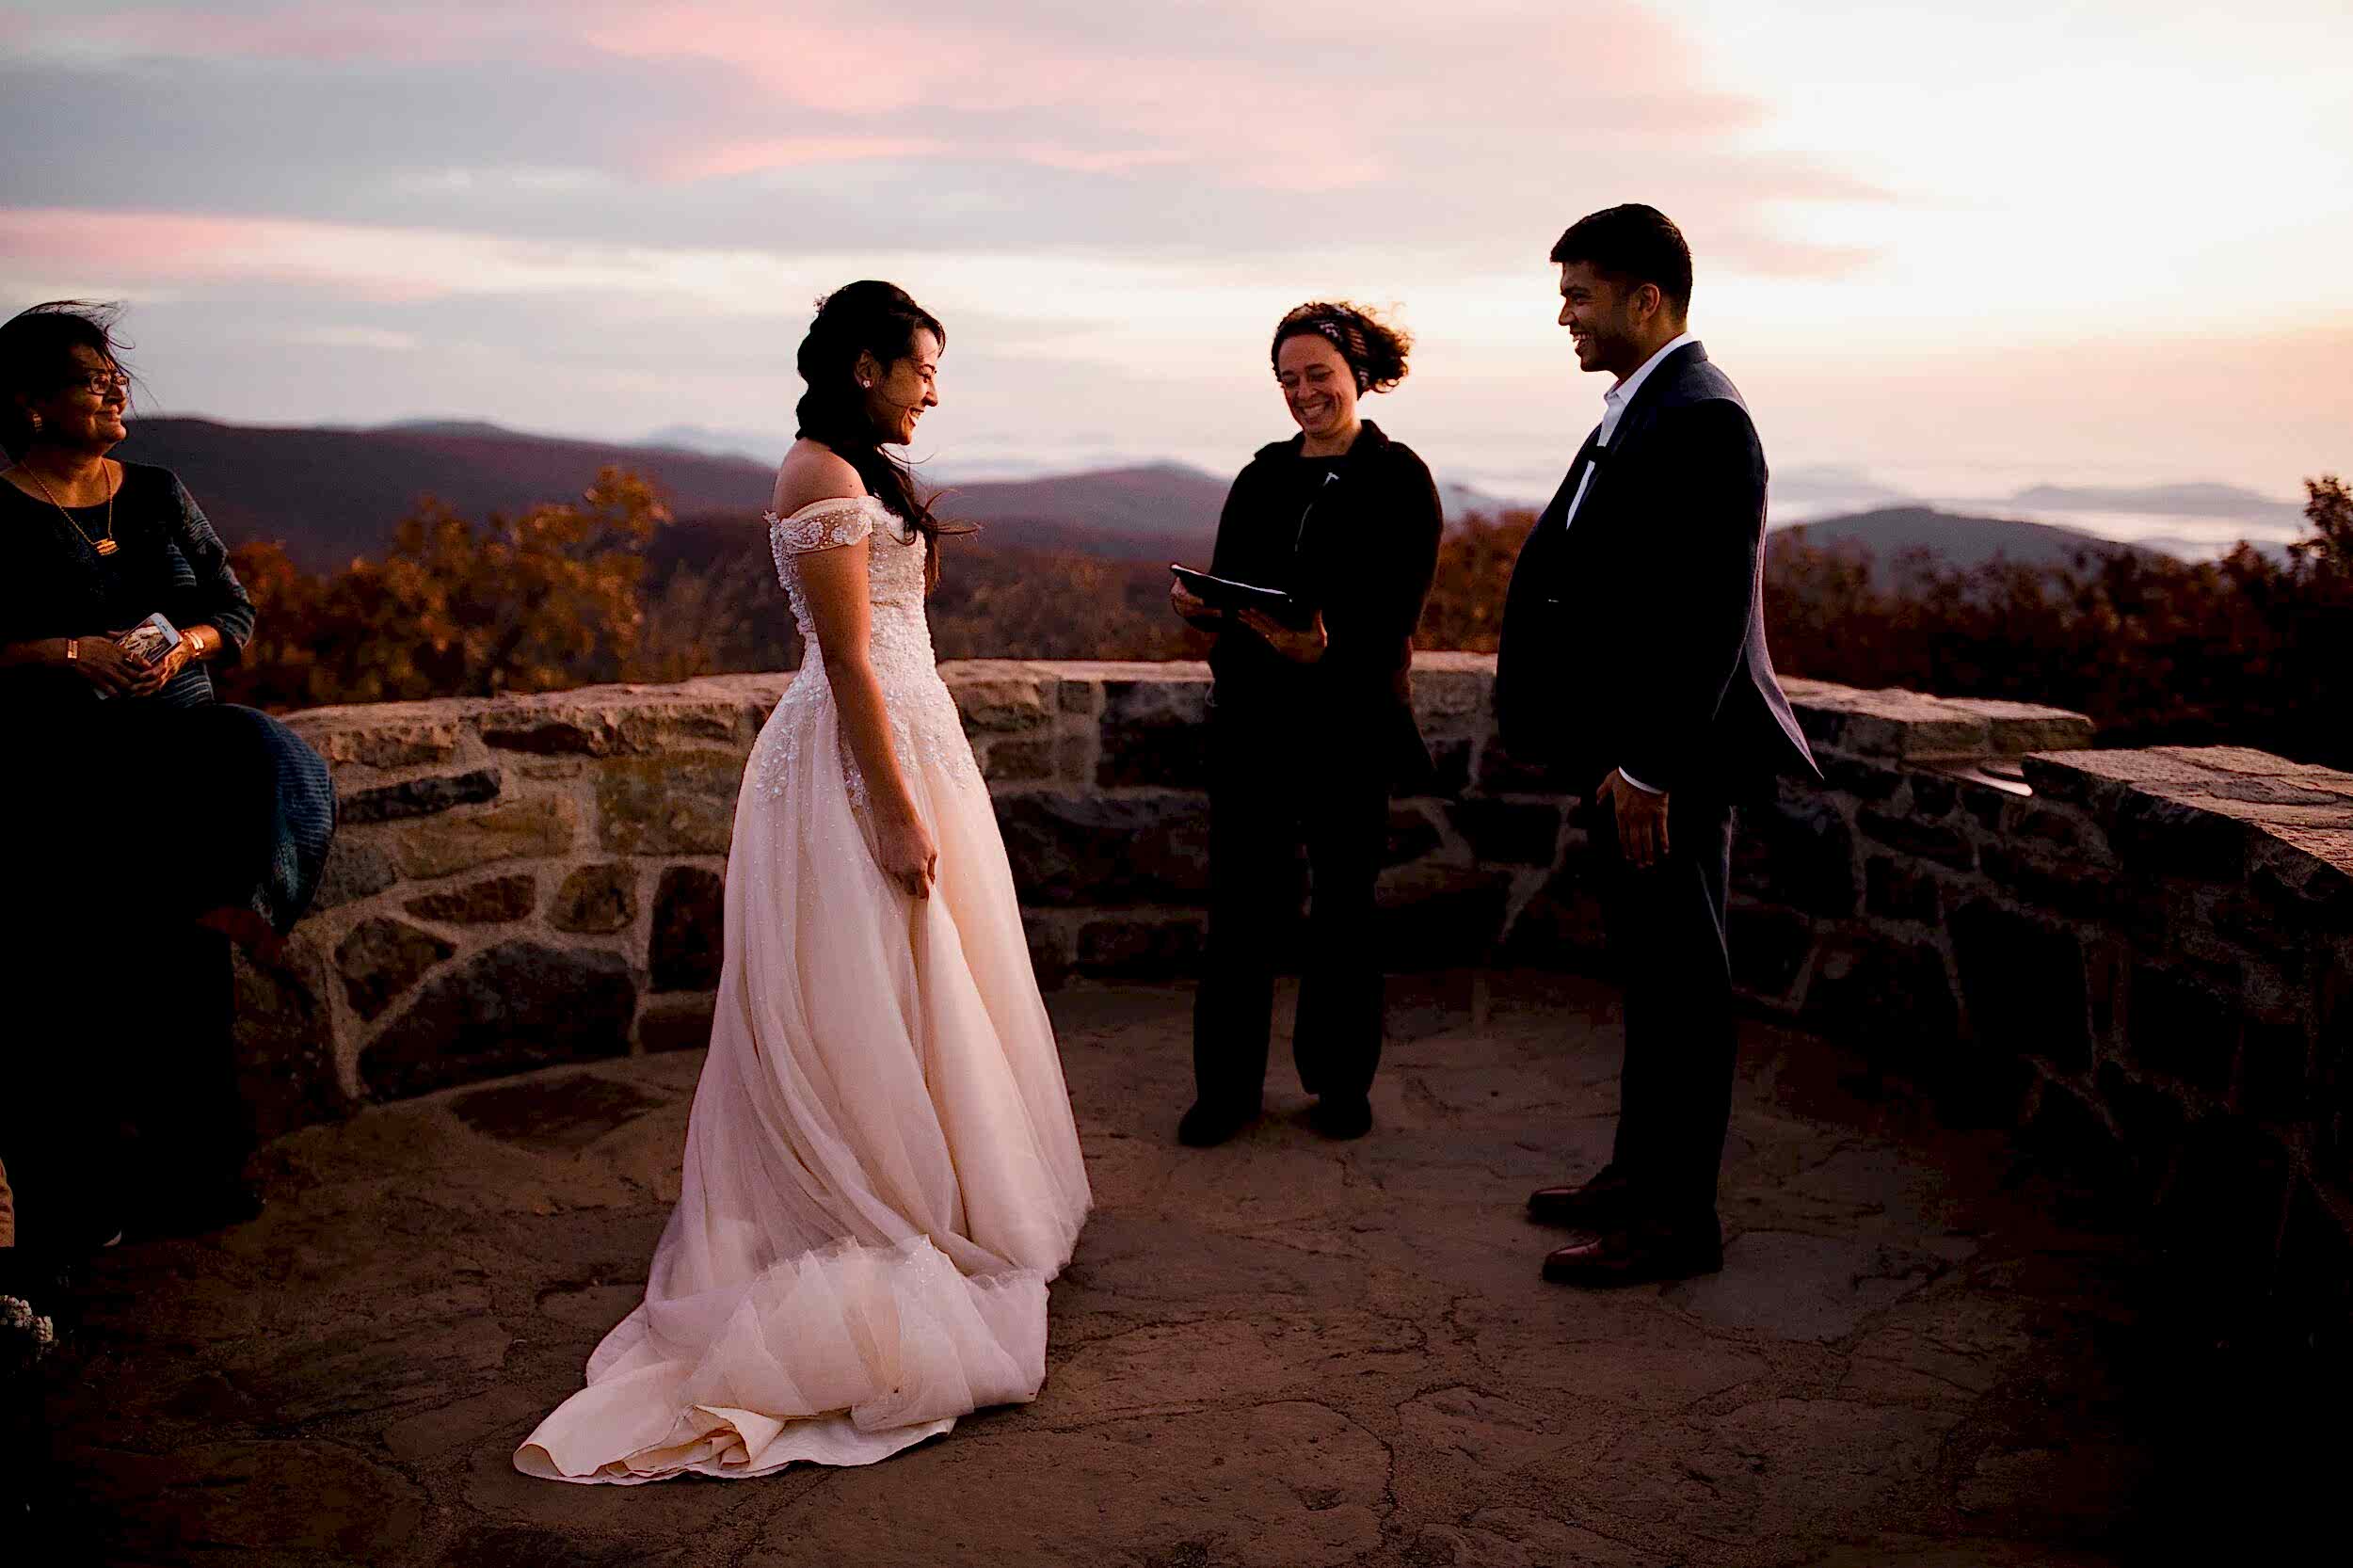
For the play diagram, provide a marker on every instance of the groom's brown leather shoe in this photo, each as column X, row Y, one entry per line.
column 1635, row 1256
column 1591, row 1204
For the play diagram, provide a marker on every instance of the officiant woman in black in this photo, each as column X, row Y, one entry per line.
column 1311, row 724
column 143, row 823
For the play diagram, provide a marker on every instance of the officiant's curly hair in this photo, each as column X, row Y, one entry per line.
column 1374, row 349
column 881, row 319
column 1635, row 245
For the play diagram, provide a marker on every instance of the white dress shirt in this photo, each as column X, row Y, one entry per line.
column 1613, row 404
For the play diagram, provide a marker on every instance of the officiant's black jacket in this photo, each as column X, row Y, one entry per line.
column 1634, row 637
column 1355, row 536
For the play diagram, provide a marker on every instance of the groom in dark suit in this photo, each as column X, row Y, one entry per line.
column 1633, row 666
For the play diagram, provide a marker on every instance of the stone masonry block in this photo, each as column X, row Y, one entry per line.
column 1939, row 841
column 676, row 805
column 382, row 958
column 599, row 899
column 419, row 797
column 1797, row 853
column 492, row 901
column 532, row 828
column 2024, row 983
column 1072, row 848
column 512, row 1007
column 689, row 910
column 2183, row 1022
column 1154, row 733
column 1000, row 695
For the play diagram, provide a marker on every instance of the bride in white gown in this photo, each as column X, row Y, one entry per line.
column 882, row 1172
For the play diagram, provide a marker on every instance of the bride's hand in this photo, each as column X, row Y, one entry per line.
column 904, row 849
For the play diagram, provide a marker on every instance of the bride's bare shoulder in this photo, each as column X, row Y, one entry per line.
column 813, row 472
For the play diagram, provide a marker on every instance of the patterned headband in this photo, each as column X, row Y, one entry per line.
column 1350, row 342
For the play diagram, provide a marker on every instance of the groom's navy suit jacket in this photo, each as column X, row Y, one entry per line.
column 1634, row 637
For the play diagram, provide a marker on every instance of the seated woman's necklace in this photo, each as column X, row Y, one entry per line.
column 106, row 546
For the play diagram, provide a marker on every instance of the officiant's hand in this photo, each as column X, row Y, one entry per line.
column 1192, row 605
column 1300, row 647
column 1642, row 820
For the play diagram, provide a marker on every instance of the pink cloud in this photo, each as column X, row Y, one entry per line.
column 723, row 159
column 1285, row 111
column 1098, row 160
column 1312, row 96
column 131, row 251
column 74, row 240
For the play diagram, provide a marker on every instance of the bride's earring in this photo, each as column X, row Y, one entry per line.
column 863, row 382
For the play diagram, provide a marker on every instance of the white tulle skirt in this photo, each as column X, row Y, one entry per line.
column 881, row 1171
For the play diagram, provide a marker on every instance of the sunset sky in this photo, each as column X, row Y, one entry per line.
column 2067, row 243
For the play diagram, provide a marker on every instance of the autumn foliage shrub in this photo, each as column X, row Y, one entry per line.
column 2249, row 650
column 547, row 599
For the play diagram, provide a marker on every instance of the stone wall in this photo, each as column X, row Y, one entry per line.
column 2144, row 957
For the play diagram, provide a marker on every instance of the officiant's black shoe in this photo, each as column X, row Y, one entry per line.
column 1638, row 1255
column 1342, row 1116
column 1209, row 1124
column 1591, row 1204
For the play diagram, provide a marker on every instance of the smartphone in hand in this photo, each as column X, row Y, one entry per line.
column 150, row 640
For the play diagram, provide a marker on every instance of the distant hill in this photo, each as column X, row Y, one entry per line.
column 331, row 494
column 2198, row 500
column 1954, row 539
column 746, row 444
column 1161, row 511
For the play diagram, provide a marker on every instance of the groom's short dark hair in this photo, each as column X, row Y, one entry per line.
column 1633, row 243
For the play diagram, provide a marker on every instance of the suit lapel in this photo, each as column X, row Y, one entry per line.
column 1640, row 412
column 1555, row 512
column 1633, row 424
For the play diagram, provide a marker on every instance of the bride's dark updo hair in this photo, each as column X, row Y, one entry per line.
column 880, row 319
column 1374, row 349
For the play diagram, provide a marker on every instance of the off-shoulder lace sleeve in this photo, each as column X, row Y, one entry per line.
column 822, row 525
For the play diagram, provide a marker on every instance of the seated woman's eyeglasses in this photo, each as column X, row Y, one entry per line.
column 98, row 383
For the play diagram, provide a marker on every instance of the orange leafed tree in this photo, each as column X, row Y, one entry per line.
column 543, row 601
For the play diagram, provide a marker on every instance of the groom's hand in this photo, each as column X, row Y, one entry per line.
column 1642, row 818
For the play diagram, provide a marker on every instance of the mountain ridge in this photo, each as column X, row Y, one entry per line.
column 329, row 494
column 1956, row 539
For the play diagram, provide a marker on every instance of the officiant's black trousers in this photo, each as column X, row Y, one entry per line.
column 1666, row 931
column 1274, row 789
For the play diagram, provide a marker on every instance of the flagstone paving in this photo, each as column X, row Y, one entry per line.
column 1284, row 1352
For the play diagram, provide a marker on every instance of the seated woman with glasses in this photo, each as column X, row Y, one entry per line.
column 146, row 823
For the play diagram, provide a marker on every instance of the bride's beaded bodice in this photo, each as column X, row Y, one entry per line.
column 899, row 638
column 927, row 729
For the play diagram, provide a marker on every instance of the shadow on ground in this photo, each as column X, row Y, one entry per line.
column 1283, row 1352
